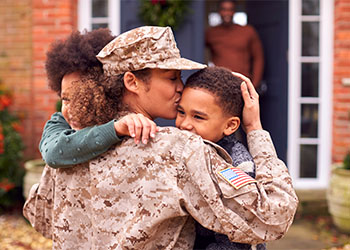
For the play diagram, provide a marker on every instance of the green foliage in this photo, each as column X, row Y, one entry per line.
column 346, row 161
column 164, row 12
column 11, row 149
column 59, row 105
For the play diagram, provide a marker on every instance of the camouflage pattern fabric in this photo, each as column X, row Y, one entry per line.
column 144, row 47
column 146, row 196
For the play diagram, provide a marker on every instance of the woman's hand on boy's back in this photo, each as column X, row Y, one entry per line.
column 251, row 109
column 137, row 126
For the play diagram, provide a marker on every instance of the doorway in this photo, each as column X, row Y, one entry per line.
column 270, row 19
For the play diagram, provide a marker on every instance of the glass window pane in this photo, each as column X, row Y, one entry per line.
column 309, row 81
column 309, row 120
column 99, row 25
column 311, row 7
column 99, row 8
column 308, row 161
column 310, row 39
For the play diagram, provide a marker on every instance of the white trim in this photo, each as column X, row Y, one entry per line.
column 310, row 59
column 114, row 16
column 309, row 100
column 309, row 141
column 85, row 19
column 100, row 19
column 310, row 18
column 326, row 89
column 294, row 89
column 325, row 60
column 84, row 14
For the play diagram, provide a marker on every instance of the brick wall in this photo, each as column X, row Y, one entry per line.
column 27, row 28
column 15, row 58
column 341, row 92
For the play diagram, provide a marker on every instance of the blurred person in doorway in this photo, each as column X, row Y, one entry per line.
column 235, row 47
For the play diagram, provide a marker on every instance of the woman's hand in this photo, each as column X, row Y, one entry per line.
column 251, row 109
column 137, row 126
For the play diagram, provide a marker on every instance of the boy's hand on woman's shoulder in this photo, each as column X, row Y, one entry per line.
column 138, row 126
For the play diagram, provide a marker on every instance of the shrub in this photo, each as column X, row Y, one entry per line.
column 11, row 149
column 346, row 161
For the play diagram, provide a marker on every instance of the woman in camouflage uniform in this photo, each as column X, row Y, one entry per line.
column 146, row 196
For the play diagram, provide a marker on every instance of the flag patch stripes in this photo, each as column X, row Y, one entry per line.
column 236, row 177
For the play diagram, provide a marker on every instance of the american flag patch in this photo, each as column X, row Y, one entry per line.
column 236, row 177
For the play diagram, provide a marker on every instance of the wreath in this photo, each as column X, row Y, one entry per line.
column 164, row 12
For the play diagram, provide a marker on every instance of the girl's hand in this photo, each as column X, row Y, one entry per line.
column 251, row 109
column 137, row 126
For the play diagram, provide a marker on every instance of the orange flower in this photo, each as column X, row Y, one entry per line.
column 6, row 185
column 5, row 101
column 18, row 127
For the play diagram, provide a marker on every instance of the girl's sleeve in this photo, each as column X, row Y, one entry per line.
column 61, row 146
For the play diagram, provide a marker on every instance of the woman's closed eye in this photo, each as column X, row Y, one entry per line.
column 180, row 111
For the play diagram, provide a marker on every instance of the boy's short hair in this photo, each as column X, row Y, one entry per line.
column 223, row 84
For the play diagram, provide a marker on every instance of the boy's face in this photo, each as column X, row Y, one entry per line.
column 199, row 113
column 161, row 95
column 67, row 83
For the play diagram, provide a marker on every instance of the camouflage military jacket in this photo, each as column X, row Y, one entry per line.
column 146, row 196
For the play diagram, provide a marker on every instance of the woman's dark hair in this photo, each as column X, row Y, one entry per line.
column 75, row 54
column 223, row 84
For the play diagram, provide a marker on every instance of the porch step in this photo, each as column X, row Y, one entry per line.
column 312, row 202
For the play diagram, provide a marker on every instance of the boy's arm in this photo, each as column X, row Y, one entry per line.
column 62, row 146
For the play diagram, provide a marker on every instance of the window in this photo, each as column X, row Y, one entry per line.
column 94, row 14
column 310, row 82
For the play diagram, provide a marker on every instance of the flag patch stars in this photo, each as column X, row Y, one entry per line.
column 236, row 177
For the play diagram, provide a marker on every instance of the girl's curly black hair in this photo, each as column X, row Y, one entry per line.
column 75, row 54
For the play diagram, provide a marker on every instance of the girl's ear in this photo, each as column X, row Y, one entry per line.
column 130, row 82
column 232, row 124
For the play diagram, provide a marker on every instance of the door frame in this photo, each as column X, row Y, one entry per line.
column 324, row 140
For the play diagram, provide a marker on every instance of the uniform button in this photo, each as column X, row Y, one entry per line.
column 53, row 163
column 46, row 150
column 67, row 139
column 78, row 149
column 97, row 143
column 60, row 151
column 74, row 160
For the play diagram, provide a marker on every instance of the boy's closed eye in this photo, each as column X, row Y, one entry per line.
column 198, row 117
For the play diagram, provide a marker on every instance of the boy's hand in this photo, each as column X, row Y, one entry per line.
column 251, row 109
column 137, row 126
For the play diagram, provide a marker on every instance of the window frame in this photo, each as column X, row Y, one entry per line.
column 324, row 99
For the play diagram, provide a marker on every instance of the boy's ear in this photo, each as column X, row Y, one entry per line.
column 130, row 82
column 232, row 124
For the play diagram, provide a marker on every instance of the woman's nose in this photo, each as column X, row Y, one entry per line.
column 180, row 86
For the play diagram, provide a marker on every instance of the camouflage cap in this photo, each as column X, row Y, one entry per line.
column 144, row 47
